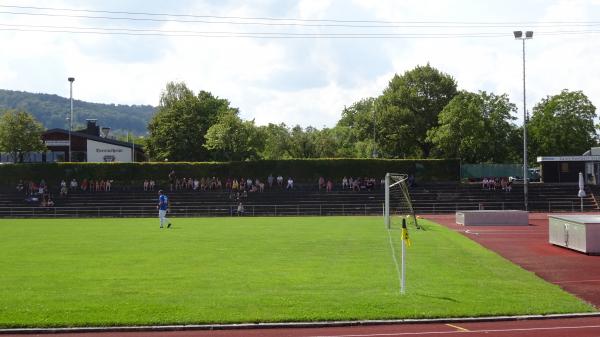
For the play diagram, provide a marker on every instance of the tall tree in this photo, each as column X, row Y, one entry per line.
column 409, row 107
column 20, row 133
column 177, row 130
column 233, row 139
column 562, row 124
column 302, row 142
column 358, row 130
column 276, row 139
column 476, row 128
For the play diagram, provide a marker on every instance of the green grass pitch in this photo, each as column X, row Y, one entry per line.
column 98, row 272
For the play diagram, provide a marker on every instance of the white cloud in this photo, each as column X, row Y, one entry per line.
column 302, row 81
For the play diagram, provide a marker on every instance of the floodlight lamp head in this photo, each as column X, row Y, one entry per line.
column 518, row 34
column 529, row 34
column 71, row 79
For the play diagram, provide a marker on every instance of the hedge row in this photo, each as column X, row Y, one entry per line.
column 302, row 170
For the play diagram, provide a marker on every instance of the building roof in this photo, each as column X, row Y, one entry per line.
column 92, row 137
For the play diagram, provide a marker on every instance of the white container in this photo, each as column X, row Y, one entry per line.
column 577, row 232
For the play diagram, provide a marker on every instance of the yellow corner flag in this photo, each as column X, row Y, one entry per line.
column 405, row 233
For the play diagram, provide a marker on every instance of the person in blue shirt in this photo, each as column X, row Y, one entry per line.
column 163, row 207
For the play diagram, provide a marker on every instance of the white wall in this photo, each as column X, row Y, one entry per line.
column 101, row 152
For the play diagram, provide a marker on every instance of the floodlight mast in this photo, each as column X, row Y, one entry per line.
column 71, row 79
column 519, row 36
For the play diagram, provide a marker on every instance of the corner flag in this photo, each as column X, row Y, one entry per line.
column 404, row 234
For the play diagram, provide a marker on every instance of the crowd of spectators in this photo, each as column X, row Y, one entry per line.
column 497, row 183
column 39, row 192
column 359, row 184
column 36, row 193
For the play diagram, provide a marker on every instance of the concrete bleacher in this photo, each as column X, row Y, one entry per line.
column 304, row 200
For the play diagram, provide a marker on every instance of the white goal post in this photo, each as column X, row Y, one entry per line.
column 398, row 204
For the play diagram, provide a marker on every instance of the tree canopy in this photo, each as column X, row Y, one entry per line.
column 563, row 124
column 419, row 114
column 177, row 131
column 476, row 128
column 409, row 107
column 20, row 133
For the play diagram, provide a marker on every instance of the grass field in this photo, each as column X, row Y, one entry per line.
column 128, row 271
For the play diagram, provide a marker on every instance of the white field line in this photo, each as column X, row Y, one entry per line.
column 395, row 262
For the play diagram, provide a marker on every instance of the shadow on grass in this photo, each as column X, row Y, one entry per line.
column 449, row 299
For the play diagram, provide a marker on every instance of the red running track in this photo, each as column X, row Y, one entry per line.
column 528, row 247
column 579, row 327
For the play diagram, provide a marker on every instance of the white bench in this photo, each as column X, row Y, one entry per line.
column 487, row 218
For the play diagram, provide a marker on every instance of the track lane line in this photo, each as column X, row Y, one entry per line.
column 461, row 332
column 575, row 281
column 457, row 327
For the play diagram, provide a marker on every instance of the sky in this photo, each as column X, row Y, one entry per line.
column 303, row 61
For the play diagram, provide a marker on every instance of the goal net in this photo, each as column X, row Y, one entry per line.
column 398, row 204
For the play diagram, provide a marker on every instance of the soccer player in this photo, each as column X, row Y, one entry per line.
column 163, row 206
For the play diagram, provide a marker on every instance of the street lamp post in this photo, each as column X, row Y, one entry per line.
column 519, row 36
column 71, row 79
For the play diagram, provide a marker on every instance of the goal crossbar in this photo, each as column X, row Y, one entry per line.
column 396, row 186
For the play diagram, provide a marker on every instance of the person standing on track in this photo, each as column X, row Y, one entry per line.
column 163, row 207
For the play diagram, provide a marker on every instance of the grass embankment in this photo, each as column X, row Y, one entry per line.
column 223, row 270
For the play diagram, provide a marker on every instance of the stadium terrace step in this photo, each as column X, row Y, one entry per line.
column 306, row 200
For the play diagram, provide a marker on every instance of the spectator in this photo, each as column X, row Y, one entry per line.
column 329, row 185
column 234, row 185
column 73, row 185
column 249, row 183
column 240, row 209
column 146, row 184
column 108, row 185
column 172, row 179
column 356, row 185
column 151, row 184
column 84, row 184
column 411, row 180
column 321, row 183
column 270, row 180
column 63, row 190
column 344, row 183
column 280, row 180
column 290, row 183
column 20, row 186
column 261, row 187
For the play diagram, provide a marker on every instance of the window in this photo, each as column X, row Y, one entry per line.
column 564, row 167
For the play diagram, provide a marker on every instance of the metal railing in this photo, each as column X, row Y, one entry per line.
column 311, row 209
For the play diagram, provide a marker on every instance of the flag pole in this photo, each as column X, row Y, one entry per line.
column 403, row 283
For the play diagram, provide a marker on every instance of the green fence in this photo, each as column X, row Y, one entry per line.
column 477, row 171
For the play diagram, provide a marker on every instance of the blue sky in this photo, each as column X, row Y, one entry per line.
column 304, row 81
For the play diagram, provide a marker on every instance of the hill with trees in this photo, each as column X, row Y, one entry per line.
column 52, row 111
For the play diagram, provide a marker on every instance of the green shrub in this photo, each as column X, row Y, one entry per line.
column 302, row 170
